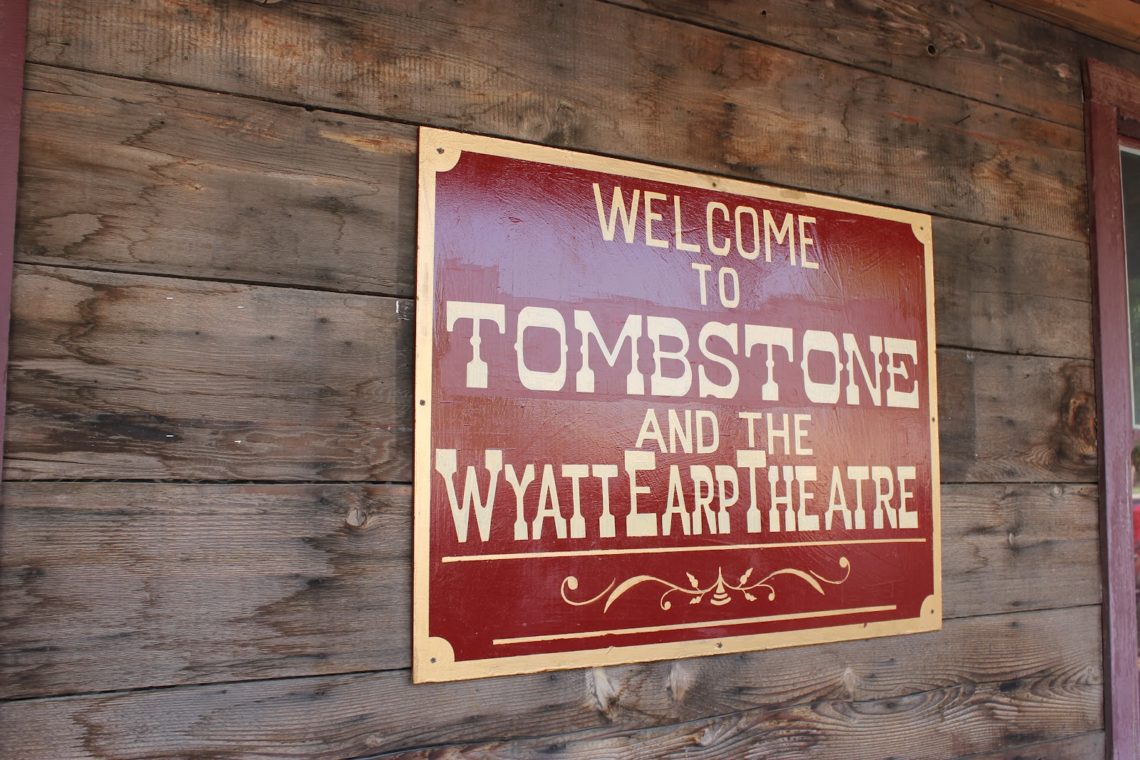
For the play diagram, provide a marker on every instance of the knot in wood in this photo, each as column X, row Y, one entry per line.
column 356, row 517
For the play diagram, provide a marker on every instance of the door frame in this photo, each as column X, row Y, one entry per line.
column 13, row 31
column 1112, row 114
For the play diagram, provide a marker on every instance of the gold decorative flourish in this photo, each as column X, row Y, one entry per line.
column 718, row 592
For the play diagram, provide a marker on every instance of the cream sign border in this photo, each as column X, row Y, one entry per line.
column 432, row 657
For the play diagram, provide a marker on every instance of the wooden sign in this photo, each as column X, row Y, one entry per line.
column 662, row 414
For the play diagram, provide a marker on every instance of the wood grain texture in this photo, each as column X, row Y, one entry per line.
column 1015, row 418
column 1117, row 21
column 1081, row 747
column 124, row 376
column 140, row 177
column 1114, row 87
column 138, row 377
column 934, row 724
column 1000, row 541
column 973, row 49
column 1036, row 678
column 1002, row 290
column 596, row 77
column 124, row 586
column 114, row 586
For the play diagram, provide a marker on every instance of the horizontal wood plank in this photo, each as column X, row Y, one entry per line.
column 596, row 77
column 140, row 177
column 1015, row 418
column 126, row 376
column 1082, row 747
column 104, row 586
column 1117, row 21
column 927, row 726
column 998, row 542
column 123, row 376
column 1002, row 290
column 973, row 48
column 1038, row 676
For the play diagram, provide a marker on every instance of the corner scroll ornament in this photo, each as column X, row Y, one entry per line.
column 719, row 592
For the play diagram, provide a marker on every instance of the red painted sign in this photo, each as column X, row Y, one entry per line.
column 663, row 414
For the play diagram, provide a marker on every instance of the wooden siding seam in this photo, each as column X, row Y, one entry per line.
column 47, row 268
column 569, row 736
column 169, row 687
column 740, row 34
column 299, row 104
column 268, row 481
column 994, row 352
column 1042, row 483
column 1056, row 14
column 1042, row 676
column 364, row 114
column 1031, row 745
column 1020, row 610
column 23, row 262
column 247, row 481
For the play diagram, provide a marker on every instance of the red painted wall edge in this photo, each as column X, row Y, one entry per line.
column 13, row 31
column 1108, row 95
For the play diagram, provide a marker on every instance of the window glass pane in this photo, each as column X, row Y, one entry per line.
column 1130, row 177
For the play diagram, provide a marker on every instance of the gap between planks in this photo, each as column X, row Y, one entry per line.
column 570, row 735
column 384, row 671
column 681, row 167
column 664, row 15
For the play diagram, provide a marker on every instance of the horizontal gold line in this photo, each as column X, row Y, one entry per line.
column 672, row 549
column 706, row 624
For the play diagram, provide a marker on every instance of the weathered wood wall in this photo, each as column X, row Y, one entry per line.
column 206, row 520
